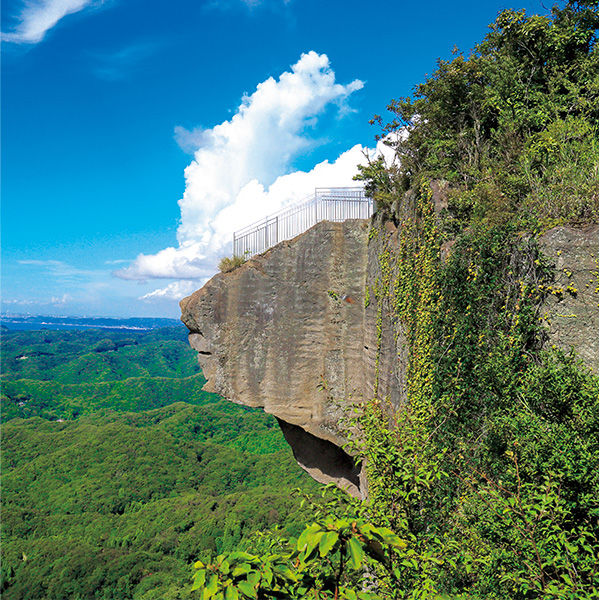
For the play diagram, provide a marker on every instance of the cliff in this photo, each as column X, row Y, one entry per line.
column 469, row 340
column 287, row 332
column 297, row 331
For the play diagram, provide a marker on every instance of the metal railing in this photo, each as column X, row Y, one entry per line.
column 326, row 204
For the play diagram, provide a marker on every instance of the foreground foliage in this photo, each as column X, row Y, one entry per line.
column 336, row 556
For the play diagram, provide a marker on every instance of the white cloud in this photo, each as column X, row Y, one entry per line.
column 255, row 202
column 55, row 300
column 259, row 142
column 20, row 302
column 173, row 291
column 61, row 271
column 185, row 262
column 39, row 16
column 241, row 172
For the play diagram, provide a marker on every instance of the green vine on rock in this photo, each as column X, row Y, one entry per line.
column 460, row 469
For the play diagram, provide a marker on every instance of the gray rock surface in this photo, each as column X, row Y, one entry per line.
column 572, row 315
column 292, row 331
column 285, row 332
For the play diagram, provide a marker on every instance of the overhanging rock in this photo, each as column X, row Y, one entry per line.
column 286, row 332
column 295, row 331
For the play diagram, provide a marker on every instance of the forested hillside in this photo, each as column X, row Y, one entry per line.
column 63, row 374
column 111, row 484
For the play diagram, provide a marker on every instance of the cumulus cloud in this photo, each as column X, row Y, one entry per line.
column 173, row 291
column 242, row 169
column 39, row 16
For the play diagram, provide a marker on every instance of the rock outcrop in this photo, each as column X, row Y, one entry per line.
column 572, row 316
column 294, row 331
column 286, row 332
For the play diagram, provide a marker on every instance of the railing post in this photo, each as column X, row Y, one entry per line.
column 265, row 233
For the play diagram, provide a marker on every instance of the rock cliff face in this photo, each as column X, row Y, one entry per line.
column 572, row 317
column 286, row 332
column 293, row 331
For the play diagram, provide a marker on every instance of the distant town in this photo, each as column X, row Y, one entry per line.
column 10, row 321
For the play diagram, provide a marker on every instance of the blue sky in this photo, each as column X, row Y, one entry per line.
column 137, row 135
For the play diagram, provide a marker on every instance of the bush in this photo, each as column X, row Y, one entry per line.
column 230, row 263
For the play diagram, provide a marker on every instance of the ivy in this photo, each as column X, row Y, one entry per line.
column 485, row 470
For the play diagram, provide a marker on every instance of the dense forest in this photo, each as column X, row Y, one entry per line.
column 485, row 483
column 63, row 374
column 118, row 471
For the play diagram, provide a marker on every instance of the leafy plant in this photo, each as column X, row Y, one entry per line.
column 512, row 128
column 330, row 559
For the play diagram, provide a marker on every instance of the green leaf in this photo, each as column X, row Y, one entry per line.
column 242, row 569
column 235, row 556
column 267, row 575
column 368, row 596
column 302, row 540
column 199, row 579
column 313, row 541
column 327, row 541
column 356, row 553
column 231, row 593
column 286, row 572
column 211, row 586
column 246, row 588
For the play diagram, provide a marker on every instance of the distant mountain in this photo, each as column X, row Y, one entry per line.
column 46, row 322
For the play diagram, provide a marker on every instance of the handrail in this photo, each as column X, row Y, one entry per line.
column 325, row 204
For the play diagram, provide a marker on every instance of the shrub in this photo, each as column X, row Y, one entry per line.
column 230, row 263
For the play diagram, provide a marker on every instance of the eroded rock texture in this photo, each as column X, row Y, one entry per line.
column 572, row 317
column 286, row 332
column 293, row 331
